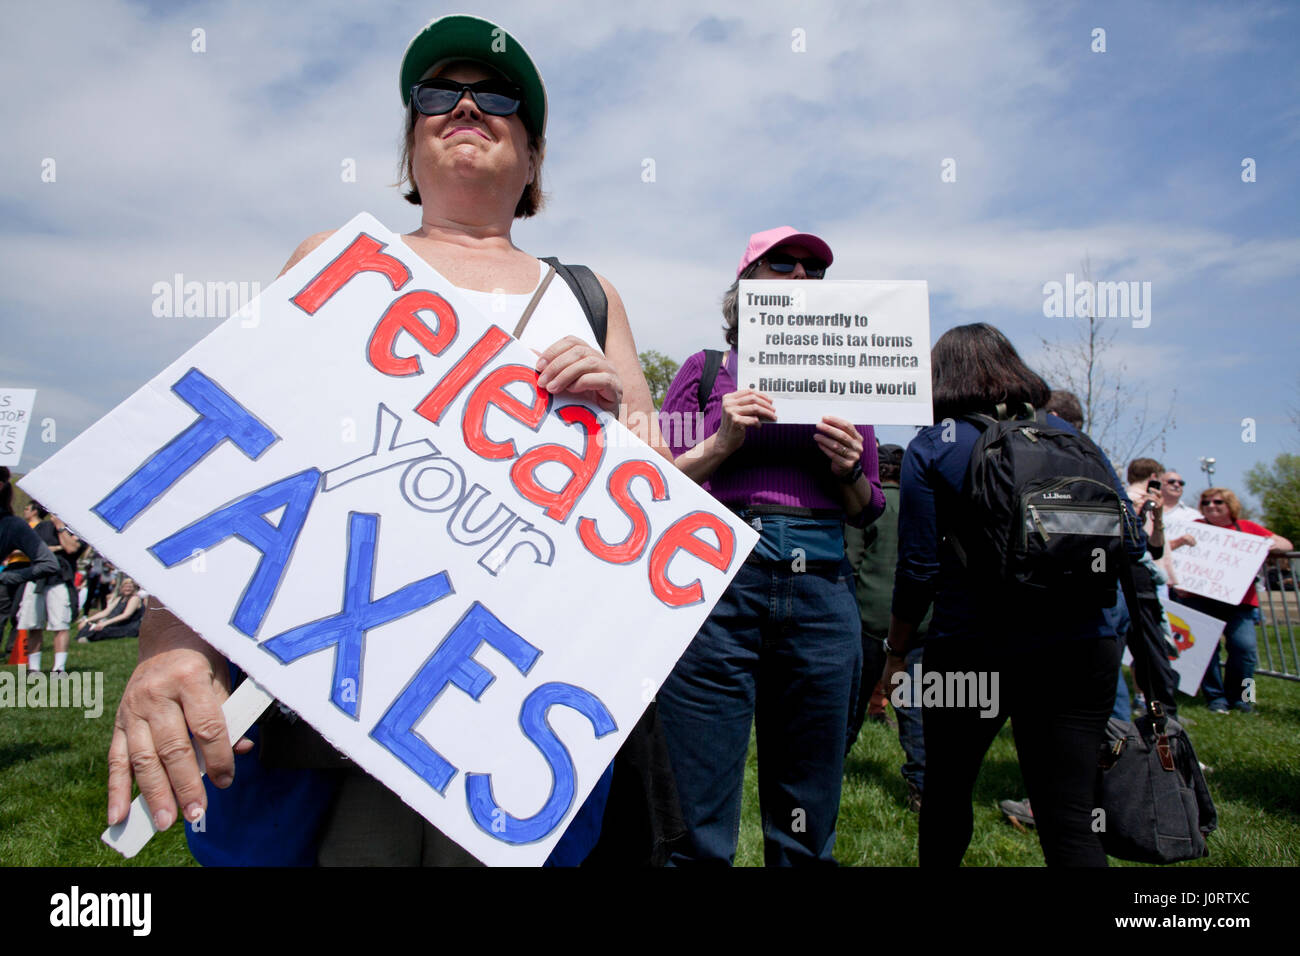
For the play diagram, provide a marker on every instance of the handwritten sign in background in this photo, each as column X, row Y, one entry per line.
column 1221, row 565
column 856, row 349
column 331, row 491
column 1196, row 636
column 15, row 416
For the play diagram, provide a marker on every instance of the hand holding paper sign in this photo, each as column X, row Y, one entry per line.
column 176, row 690
column 841, row 443
column 244, row 513
column 571, row 365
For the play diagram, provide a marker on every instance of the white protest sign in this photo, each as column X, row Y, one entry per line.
column 1196, row 636
column 15, row 416
column 856, row 349
column 357, row 493
column 1221, row 565
column 1179, row 523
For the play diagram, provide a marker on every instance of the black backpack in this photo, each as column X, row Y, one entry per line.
column 1041, row 513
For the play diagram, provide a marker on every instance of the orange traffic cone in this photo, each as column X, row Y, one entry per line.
column 19, row 654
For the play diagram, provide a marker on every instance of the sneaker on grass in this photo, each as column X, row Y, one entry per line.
column 1018, row 812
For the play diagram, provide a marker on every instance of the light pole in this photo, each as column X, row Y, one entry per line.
column 1207, row 466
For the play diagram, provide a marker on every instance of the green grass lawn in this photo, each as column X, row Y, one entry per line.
column 52, row 777
column 53, row 772
column 1255, row 784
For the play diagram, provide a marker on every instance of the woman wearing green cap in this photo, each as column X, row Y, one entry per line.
column 472, row 158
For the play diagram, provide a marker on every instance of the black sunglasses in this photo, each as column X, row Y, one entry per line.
column 436, row 97
column 1212, row 501
column 1175, row 481
column 779, row 262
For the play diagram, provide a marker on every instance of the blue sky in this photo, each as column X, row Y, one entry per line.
column 216, row 164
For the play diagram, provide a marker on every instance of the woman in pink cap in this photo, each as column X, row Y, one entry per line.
column 782, row 647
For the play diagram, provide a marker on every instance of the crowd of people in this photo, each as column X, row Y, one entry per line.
column 73, row 589
column 802, row 651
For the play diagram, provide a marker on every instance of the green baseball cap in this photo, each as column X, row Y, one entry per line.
column 471, row 38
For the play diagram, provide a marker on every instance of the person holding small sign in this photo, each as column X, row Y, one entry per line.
column 1221, row 507
column 475, row 127
column 782, row 646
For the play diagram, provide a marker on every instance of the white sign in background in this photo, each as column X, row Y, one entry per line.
column 15, row 415
column 1196, row 636
column 856, row 349
column 1221, row 565
column 357, row 494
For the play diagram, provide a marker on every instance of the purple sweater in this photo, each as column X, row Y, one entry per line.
column 777, row 465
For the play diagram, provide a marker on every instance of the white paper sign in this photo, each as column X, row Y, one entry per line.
column 1196, row 636
column 1221, row 565
column 356, row 492
column 15, row 416
column 856, row 349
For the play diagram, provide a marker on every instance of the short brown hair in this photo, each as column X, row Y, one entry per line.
column 1065, row 405
column 1233, row 502
column 1140, row 468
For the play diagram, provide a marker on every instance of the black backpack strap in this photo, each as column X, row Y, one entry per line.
column 589, row 293
column 1152, row 672
column 708, row 375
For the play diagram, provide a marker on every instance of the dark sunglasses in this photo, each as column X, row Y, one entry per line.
column 1175, row 481
column 1212, row 501
column 436, row 97
column 779, row 262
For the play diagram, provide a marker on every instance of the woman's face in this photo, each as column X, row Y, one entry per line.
column 1215, row 510
column 128, row 587
column 466, row 142
column 796, row 252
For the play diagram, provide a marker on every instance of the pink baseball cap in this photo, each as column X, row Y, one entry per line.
column 762, row 242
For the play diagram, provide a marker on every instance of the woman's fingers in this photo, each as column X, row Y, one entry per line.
column 149, row 770
column 119, row 775
column 565, row 379
column 171, row 706
column 749, row 403
column 571, row 365
column 562, row 354
column 557, row 348
column 842, row 454
column 207, row 725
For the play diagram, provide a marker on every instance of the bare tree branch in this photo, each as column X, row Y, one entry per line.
column 1117, row 414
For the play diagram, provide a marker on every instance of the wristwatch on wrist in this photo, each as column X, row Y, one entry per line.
column 854, row 474
column 889, row 648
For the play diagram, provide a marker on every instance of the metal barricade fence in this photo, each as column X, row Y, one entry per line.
column 1276, row 635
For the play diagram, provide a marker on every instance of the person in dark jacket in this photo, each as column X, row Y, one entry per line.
column 1048, row 664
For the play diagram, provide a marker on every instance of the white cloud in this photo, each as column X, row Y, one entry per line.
column 215, row 165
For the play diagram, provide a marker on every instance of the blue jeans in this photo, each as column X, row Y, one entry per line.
column 1120, row 621
column 910, row 729
column 1239, row 636
column 781, row 649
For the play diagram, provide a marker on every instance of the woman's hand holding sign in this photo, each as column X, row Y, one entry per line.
column 176, row 690
column 571, row 365
column 841, row 443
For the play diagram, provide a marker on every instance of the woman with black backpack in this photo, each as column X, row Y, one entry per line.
column 1017, row 634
